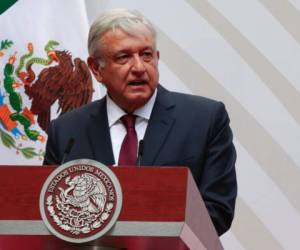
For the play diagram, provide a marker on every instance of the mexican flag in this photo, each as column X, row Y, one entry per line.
column 43, row 73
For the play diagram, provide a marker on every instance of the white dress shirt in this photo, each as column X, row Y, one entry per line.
column 116, row 127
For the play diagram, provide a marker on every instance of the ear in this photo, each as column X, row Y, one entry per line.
column 95, row 68
column 157, row 53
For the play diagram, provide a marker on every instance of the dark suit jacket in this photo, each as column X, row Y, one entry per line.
column 183, row 130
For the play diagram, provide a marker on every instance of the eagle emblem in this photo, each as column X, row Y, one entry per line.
column 82, row 205
column 39, row 82
column 80, row 201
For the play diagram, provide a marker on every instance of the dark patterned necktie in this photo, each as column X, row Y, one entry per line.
column 128, row 152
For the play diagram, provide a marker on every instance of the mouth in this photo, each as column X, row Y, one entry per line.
column 137, row 83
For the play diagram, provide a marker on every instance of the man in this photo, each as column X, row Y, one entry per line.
column 177, row 129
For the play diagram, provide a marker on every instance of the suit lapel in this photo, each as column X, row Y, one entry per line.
column 160, row 124
column 99, row 136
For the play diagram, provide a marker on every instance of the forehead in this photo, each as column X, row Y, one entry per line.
column 117, row 39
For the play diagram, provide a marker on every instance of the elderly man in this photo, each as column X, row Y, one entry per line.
column 176, row 129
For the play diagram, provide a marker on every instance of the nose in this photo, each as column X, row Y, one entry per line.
column 138, row 64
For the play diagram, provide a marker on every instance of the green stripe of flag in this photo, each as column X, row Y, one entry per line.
column 5, row 4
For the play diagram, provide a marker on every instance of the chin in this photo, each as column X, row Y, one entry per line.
column 140, row 96
column 138, row 102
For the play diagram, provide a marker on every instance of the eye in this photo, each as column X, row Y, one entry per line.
column 122, row 58
column 147, row 55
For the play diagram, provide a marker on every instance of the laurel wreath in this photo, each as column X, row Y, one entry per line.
column 28, row 152
column 77, row 230
column 7, row 140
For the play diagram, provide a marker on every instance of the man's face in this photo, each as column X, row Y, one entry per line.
column 130, row 73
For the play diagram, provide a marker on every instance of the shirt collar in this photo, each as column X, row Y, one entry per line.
column 114, row 112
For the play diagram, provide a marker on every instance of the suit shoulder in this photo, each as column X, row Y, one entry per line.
column 199, row 102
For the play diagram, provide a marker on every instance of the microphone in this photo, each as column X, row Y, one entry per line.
column 140, row 153
column 68, row 149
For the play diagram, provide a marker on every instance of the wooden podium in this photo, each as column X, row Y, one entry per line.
column 162, row 209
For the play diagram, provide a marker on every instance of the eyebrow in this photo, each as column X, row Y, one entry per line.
column 129, row 50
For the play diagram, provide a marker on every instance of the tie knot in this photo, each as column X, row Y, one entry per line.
column 128, row 121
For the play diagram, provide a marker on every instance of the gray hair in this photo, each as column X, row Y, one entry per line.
column 130, row 21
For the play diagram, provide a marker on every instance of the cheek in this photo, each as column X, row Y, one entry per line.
column 153, row 72
column 121, row 73
column 117, row 77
